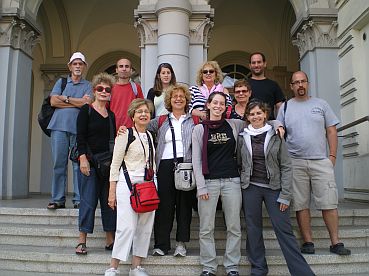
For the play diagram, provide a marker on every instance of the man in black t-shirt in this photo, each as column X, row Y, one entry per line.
column 263, row 88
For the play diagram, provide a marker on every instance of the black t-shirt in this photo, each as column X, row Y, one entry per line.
column 221, row 149
column 93, row 130
column 267, row 91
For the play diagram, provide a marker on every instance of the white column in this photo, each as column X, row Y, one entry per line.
column 17, row 37
column 173, row 36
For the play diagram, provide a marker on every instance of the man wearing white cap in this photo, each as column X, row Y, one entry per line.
column 63, row 126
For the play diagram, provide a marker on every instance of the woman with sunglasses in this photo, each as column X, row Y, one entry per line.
column 266, row 176
column 164, row 77
column 133, row 229
column 242, row 94
column 217, row 176
column 93, row 134
column 209, row 79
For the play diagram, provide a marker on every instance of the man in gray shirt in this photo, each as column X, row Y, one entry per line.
column 310, row 123
column 63, row 126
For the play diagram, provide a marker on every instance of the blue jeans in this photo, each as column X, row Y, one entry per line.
column 229, row 190
column 92, row 189
column 61, row 143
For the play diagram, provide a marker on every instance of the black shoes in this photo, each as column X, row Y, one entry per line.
column 233, row 273
column 207, row 273
column 54, row 206
column 308, row 248
column 340, row 249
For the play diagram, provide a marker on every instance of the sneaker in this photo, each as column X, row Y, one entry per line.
column 340, row 249
column 207, row 273
column 138, row 271
column 180, row 250
column 233, row 273
column 157, row 252
column 308, row 248
column 111, row 272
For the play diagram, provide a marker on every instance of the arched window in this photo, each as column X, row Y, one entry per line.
column 236, row 71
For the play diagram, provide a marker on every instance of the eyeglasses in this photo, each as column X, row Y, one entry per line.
column 102, row 88
column 205, row 72
column 299, row 82
column 178, row 97
column 140, row 111
column 241, row 91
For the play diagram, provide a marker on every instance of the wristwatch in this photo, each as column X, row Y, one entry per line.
column 67, row 100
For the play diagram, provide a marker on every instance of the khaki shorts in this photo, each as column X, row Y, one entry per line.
column 313, row 178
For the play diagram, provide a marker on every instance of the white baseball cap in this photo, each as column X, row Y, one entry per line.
column 77, row 55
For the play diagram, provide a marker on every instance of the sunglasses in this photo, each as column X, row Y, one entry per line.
column 102, row 88
column 211, row 71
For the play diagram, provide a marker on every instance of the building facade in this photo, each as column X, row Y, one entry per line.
column 325, row 38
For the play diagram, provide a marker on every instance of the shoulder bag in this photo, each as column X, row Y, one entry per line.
column 184, row 178
column 144, row 196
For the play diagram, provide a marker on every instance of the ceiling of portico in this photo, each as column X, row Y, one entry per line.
column 255, row 25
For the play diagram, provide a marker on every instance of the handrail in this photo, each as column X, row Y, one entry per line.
column 354, row 123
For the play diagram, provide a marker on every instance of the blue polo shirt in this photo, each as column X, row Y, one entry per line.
column 65, row 119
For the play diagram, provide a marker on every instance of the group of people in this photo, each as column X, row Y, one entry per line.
column 238, row 153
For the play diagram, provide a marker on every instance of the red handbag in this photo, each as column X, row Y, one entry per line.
column 144, row 197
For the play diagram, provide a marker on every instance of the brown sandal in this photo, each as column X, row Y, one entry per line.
column 81, row 249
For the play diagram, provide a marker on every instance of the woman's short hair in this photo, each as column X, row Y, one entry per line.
column 218, row 72
column 103, row 78
column 240, row 83
column 136, row 103
column 158, row 86
column 210, row 99
column 174, row 88
column 256, row 103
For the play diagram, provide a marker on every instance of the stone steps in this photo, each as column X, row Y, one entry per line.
column 35, row 241
column 66, row 236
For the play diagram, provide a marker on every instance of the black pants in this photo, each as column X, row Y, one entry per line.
column 172, row 201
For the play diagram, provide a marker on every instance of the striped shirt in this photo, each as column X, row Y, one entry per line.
column 198, row 100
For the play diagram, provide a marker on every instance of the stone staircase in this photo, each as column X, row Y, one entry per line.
column 36, row 241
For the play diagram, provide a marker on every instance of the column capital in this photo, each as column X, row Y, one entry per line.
column 147, row 31
column 316, row 33
column 51, row 73
column 18, row 34
column 201, row 32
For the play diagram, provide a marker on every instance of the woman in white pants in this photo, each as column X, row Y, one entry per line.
column 133, row 229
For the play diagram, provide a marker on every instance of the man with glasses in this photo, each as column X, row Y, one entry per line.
column 63, row 126
column 310, row 123
column 263, row 88
column 123, row 93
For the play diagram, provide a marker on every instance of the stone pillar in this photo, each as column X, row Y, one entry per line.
column 316, row 39
column 17, row 38
column 50, row 74
column 174, row 31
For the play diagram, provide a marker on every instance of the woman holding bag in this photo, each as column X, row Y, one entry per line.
column 173, row 201
column 95, row 131
column 133, row 229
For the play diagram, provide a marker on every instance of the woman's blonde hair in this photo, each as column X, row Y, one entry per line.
column 103, row 78
column 218, row 72
column 136, row 103
column 174, row 88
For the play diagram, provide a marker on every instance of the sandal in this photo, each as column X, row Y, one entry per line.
column 340, row 249
column 81, row 249
column 109, row 247
column 54, row 206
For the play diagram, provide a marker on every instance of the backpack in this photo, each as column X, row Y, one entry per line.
column 162, row 118
column 47, row 111
column 134, row 87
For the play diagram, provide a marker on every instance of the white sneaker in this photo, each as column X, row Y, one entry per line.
column 158, row 252
column 111, row 272
column 180, row 250
column 138, row 271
